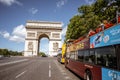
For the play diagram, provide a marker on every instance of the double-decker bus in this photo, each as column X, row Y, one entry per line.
column 96, row 57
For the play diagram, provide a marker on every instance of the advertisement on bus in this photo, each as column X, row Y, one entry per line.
column 108, row 74
column 84, row 44
column 110, row 36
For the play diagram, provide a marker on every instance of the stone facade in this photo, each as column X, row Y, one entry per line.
column 35, row 30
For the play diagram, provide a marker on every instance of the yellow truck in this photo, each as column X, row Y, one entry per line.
column 63, row 53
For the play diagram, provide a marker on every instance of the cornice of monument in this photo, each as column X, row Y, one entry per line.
column 30, row 39
column 44, row 25
column 46, row 22
column 55, row 39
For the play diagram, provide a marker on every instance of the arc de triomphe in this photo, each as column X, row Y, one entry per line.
column 35, row 30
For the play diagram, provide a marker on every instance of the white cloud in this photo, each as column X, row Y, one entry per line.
column 64, row 31
column 61, row 3
column 5, row 34
column 10, row 2
column 18, row 34
column 17, row 38
column 19, row 31
column 33, row 10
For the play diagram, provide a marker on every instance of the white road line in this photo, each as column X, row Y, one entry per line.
column 49, row 73
column 67, row 78
column 49, row 70
column 64, row 73
column 2, row 64
column 20, row 74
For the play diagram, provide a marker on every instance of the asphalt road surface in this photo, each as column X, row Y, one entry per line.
column 34, row 68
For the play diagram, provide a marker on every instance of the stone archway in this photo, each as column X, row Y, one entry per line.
column 43, row 35
column 38, row 29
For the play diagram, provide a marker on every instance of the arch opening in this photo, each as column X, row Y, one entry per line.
column 43, row 44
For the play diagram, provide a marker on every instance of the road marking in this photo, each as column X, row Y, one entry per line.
column 49, row 70
column 2, row 64
column 49, row 66
column 49, row 73
column 67, row 78
column 62, row 71
column 20, row 74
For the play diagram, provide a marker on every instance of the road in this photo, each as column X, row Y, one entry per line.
column 34, row 68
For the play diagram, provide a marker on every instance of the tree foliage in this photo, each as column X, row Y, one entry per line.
column 90, row 16
column 42, row 54
column 6, row 52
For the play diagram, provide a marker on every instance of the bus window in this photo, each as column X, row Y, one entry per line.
column 86, row 56
column 67, row 55
column 92, row 57
column 72, row 55
column 80, row 55
column 99, row 58
column 106, row 57
column 76, row 55
column 118, row 56
column 112, row 58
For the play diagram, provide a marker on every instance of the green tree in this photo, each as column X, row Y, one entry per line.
column 42, row 54
column 90, row 17
column 7, row 52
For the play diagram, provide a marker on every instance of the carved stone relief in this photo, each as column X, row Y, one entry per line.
column 30, row 46
column 55, row 46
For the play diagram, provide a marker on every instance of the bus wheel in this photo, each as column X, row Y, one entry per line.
column 88, row 75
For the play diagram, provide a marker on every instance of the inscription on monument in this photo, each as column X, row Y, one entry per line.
column 55, row 35
column 30, row 34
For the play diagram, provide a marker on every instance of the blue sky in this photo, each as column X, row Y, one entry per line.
column 15, row 13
